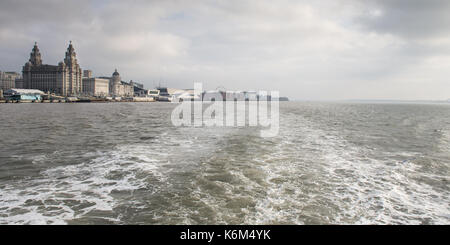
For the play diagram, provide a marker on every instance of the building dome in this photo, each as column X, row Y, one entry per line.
column 116, row 73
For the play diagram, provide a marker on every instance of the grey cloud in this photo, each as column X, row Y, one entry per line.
column 307, row 50
column 26, row 14
column 417, row 19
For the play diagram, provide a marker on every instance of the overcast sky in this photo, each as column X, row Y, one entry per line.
column 309, row 50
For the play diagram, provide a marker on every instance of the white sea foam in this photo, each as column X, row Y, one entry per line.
column 349, row 186
column 69, row 192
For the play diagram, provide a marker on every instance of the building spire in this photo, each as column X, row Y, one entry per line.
column 70, row 48
column 71, row 56
column 35, row 55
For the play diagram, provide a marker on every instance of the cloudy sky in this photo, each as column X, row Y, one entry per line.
column 308, row 50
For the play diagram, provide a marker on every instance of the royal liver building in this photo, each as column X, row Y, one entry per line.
column 64, row 79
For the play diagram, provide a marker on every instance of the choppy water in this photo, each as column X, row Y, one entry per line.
column 125, row 163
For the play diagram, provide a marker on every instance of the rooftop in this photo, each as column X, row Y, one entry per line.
column 23, row 91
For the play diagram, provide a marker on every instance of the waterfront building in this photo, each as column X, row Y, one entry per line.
column 235, row 95
column 139, row 90
column 185, row 95
column 87, row 74
column 23, row 94
column 119, row 88
column 63, row 79
column 96, row 86
column 138, row 85
column 153, row 93
column 214, row 95
column 251, row 95
column 19, row 82
column 163, row 91
column 164, row 94
column 8, row 80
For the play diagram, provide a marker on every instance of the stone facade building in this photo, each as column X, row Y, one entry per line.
column 118, row 87
column 96, row 86
column 8, row 80
column 19, row 82
column 87, row 74
column 64, row 79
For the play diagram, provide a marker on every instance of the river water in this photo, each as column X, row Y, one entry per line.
column 125, row 163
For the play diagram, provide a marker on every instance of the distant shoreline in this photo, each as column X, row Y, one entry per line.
column 378, row 101
column 300, row 101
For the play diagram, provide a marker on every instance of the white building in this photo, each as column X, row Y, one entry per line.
column 119, row 88
column 23, row 94
column 8, row 80
column 96, row 86
column 185, row 95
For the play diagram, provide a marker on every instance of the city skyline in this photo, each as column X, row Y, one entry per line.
column 307, row 51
